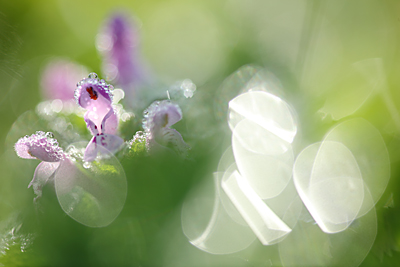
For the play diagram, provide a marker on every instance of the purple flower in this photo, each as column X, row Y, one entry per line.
column 95, row 96
column 59, row 77
column 44, row 147
column 117, row 41
column 102, row 197
column 158, row 118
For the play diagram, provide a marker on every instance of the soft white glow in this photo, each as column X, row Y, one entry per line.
column 208, row 226
column 262, row 220
column 341, row 178
column 103, row 42
column 369, row 149
column 91, row 194
column 268, row 166
column 307, row 245
column 119, row 94
column 330, row 185
column 56, row 105
column 268, row 111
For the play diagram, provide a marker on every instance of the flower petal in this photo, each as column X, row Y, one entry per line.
column 91, row 125
column 117, row 41
column 91, row 150
column 174, row 139
column 44, row 171
column 161, row 114
column 97, row 112
column 39, row 146
column 110, row 142
column 91, row 90
column 112, row 122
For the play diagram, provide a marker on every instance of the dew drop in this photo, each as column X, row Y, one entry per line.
column 71, row 150
column 93, row 75
column 49, row 135
column 87, row 165
column 40, row 133
column 125, row 116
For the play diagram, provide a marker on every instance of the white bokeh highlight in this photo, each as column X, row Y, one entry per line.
column 266, row 110
column 324, row 216
column 266, row 225
column 208, row 226
column 93, row 193
column 263, row 128
column 330, row 184
column 341, row 178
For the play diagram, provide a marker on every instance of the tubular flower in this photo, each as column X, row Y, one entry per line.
column 116, row 42
column 158, row 118
column 44, row 147
column 95, row 96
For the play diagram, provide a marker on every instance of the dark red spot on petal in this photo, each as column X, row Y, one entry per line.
column 92, row 93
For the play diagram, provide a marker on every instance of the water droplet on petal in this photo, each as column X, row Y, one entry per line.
column 40, row 133
column 49, row 135
column 54, row 143
column 92, row 75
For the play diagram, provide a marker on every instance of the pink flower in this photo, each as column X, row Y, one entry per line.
column 59, row 78
column 117, row 41
column 74, row 184
column 158, row 118
column 44, row 147
column 95, row 96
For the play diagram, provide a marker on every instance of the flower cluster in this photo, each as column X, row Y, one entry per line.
column 73, row 170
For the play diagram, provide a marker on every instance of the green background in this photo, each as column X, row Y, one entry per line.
column 309, row 45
